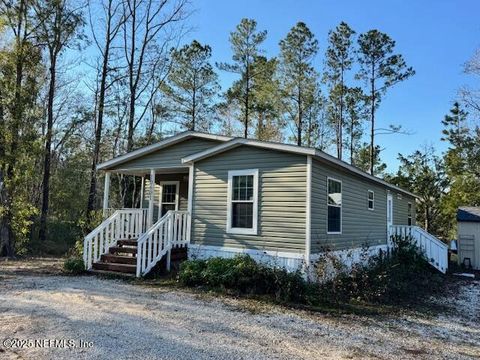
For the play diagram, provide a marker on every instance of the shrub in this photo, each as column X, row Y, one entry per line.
column 243, row 275
column 74, row 266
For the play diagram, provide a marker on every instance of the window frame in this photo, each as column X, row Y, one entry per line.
column 373, row 200
column 177, row 195
column 341, row 206
column 236, row 230
column 409, row 214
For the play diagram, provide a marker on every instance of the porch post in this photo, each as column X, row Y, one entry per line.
column 106, row 192
column 142, row 190
column 151, row 199
column 191, row 171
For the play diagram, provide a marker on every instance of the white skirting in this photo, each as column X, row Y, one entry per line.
column 288, row 260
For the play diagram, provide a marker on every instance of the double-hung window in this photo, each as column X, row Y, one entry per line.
column 371, row 200
column 409, row 214
column 242, row 212
column 334, row 205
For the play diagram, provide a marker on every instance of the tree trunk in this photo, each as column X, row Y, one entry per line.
column 98, row 129
column 300, row 114
column 340, row 122
column 48, row 151
column 247, row 94
column 372, row 130
column 352, row 139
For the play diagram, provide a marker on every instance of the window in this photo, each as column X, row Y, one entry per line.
column 334, row 204
column 371, row 200
column 409, row 214
column 242, row 202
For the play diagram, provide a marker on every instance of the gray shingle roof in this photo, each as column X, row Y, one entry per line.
column 468, row 213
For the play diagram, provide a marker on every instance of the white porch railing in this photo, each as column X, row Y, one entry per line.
column 122, row 224
column 172, row 230
column 434, row 250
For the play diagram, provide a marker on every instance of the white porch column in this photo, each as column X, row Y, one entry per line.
column 151, row 199
column 106, row 193
column 191, row 171
column 142, row 190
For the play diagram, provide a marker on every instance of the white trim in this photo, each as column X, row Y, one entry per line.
column 160, row 145
column 292, row 149
column 410, row 216
column 389, row 210
column 368, row 200
column 191, row 193
column 341, row 207
column 246, row 231
column 106, row 193
column 142, row 191
column 308, row 216
column 177, row 193
column 151, row 198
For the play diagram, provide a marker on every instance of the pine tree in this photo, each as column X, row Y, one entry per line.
column 354, row 116
column 192, row 86
column 245, row 42
column 298, row 77
column 380, row 69
column 339, row 59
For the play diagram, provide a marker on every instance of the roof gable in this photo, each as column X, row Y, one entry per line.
column 115, row 162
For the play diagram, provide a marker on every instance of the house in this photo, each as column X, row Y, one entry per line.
column 468, row 225
column 220, row 196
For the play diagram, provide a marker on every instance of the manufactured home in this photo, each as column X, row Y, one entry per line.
column 221, row 196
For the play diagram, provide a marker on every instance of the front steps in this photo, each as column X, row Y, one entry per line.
column 122, row 259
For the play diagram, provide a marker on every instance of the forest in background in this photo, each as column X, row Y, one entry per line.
column 83, row 82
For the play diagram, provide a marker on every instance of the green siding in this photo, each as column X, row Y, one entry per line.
column 360, row 226
column 400, row 209
column 281, row 200
column 170, row 156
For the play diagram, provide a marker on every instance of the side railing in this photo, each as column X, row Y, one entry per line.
column 122, row 224
column 434, row 250
column 171, row 231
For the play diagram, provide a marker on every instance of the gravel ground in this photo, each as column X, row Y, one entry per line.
column 127, row 321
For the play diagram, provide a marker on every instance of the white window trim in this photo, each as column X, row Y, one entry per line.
column 177, row 193
column 244, row 231
column 341, row 208
column 368, row 200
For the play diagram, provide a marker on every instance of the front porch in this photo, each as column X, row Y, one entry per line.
column 134, row 240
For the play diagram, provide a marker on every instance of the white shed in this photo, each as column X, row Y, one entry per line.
column 468, row 220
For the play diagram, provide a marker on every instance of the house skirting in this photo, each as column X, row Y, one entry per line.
column 287, row 260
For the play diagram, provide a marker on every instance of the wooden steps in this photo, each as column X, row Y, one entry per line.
column 122, row 259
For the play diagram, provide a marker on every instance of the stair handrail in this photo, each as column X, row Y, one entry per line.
column 172, row 230
column 435, row 250
column 122, row 224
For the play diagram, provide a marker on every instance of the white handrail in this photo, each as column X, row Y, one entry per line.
column 434, row 250
column 122, row 224
column 172, row 230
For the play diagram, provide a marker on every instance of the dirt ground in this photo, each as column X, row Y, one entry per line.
column 113, row 319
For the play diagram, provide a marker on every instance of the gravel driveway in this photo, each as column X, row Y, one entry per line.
column 118, row 320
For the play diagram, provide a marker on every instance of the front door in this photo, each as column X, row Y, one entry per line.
column 389, row 211
column 169, row 191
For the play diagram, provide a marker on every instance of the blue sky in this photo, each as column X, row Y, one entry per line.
column 436, row 37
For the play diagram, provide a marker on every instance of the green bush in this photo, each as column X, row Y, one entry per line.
column 404, row 275
column 74, row 266
column 243, row 275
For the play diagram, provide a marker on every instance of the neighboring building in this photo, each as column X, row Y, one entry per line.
column 279, row 203
column 468, row 221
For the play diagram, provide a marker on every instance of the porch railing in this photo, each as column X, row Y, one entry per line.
column 171, row 231
column 434, row 250
column 122, row 224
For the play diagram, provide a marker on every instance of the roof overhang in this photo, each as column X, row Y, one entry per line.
column 157, row 146
column 319, row 155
